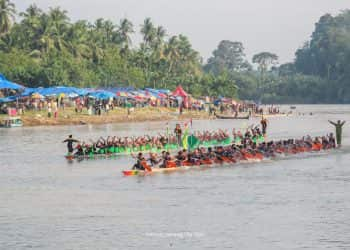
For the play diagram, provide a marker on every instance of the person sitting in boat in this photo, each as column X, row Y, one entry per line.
column 194, row 157
column 331, row 140
column 210, row 154
column 70, row 141
column 153, row 159
column 166, row 159
column 80, row 150
column 179, row 158
column 138, row 165
column 89, row 149
column 101, row 144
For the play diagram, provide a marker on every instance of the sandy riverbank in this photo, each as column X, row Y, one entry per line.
column 69, row 117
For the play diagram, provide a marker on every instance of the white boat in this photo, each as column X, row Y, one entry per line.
column 11, row 122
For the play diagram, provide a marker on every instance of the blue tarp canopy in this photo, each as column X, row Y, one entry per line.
column 54, row 91
column 6, row 84
column 101, row 94
column 118, row 89
column 157, row 92
column 29, row 91
column 8, row 99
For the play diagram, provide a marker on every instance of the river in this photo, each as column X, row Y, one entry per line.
column 300, row 202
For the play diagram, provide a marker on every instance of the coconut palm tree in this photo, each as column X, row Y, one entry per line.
column 148, row 31
column 7, row 12
column 78, row 40
column 125, row 29
column 172, row 53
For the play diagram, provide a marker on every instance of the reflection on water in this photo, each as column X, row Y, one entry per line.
column 293, row 203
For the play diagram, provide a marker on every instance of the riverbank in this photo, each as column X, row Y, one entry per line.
column 118, row 115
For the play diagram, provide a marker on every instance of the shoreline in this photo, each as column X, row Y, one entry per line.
column 118, row 115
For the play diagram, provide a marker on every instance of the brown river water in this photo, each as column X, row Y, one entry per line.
column 299, row 202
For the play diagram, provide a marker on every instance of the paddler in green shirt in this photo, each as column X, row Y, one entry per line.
column 338, row 130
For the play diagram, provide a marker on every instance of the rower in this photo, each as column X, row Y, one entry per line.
column 140, row 159
column 80, row 150
column 166, row 158
column 331, row 140
column 153, row 159
column 195, row 157
column 70, row 142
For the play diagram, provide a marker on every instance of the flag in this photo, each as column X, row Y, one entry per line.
column 185, row 137
column 192, row 142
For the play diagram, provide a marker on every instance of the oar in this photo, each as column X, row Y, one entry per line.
column 146, row 167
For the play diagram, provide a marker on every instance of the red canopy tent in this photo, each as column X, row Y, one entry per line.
column 179, row 91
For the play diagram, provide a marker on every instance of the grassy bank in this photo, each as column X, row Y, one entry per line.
column 118, row 115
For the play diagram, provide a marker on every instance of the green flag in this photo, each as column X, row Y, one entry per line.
column 193, row 142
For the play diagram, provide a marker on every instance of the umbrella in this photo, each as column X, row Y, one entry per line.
column 122, row 94
column 37, row 96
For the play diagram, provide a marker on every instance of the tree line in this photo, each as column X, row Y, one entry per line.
column 39, row 48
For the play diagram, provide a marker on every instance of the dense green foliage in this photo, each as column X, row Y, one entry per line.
column 319, row 74
column 46, row 48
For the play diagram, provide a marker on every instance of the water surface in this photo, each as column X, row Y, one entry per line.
column 299, row 202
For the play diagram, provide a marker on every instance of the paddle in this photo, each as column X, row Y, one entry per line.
column 146, row 167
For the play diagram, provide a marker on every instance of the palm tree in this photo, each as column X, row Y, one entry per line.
column 172, row 52
column 125, row 28
column 78, row 40
column 58, row 24
column 31, row 16
column 7, row 12
column 58, row 18
column 160, row 34
column 109, row 30
column 148, row 31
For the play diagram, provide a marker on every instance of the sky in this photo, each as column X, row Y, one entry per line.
column 278, row 26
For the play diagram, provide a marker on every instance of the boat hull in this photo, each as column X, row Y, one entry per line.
column 228, row 117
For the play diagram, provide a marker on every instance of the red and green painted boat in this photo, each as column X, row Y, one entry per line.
column 172, row 167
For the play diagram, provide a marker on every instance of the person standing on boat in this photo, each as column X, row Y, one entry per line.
column 338, row 130
column 178, row 133
column 70, row 142
column 263, row 123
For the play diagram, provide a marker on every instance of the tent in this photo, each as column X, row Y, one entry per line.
column 180, row 92
column 6, row 84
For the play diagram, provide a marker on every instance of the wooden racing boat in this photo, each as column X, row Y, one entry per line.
column 205, row 144
column 231, row 117
column 271, row 115
column 245, row 158
column 172, row 167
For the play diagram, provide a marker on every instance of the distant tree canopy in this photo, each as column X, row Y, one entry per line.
column 229, row 56
column 46, row 48
column 327, row 55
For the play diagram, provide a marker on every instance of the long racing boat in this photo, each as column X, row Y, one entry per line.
column 245, row 158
